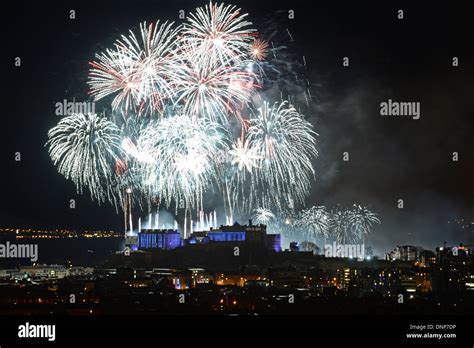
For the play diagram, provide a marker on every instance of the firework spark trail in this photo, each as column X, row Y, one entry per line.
column 126, row 189
column 140, row 71
column 83, row 147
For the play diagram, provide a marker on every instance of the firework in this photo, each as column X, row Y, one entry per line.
column 139, row 71
column 362, row 220
column 352, row 225
column 258, row 50
column 314, row 222
column 243, row 155
column 286, row 144
column 193, row 84
column 130, row 148
column 126, row 189
column 220, row 35
column 213, row 92
column 263, row 216
column 84, row 148
column 184, row 152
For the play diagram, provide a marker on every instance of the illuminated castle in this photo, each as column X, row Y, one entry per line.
column 166, row 239
column 252, row 234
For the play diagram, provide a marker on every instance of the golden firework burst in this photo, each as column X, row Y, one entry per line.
column 258, row 50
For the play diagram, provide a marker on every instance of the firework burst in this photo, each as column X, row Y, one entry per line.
column 361, row 221
column 314, row 222
column 84, row 148
column 213, row 93
column 220, row 35
column 139, row 71
column 352, row 225
column 263, row 216
column 244, row 156
column 286, row 145
column 184, row 151
column 258, row 50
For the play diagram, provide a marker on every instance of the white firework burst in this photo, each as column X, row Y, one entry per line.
column 220, row 35
column 84, row 148
column 185, row 151
column 361, row 221
column 214, row 92
column 263, row 216
column 352, row 225
column 314, row 222
column 286, row 144
column 139, row 71
column 244, row 156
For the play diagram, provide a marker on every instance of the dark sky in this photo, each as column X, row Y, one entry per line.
column 390, row 158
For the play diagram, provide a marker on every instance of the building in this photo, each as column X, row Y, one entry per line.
column 403, row 253
column 198, row 238
column 408, row 282
column 81, row 271
column 427, row 258
column 252, row 234
column 131, row 241
column 40, row 272
column 294, row 247
column 167, row 239
column 159, row 239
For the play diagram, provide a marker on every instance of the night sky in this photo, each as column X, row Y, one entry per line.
column 390, row 157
